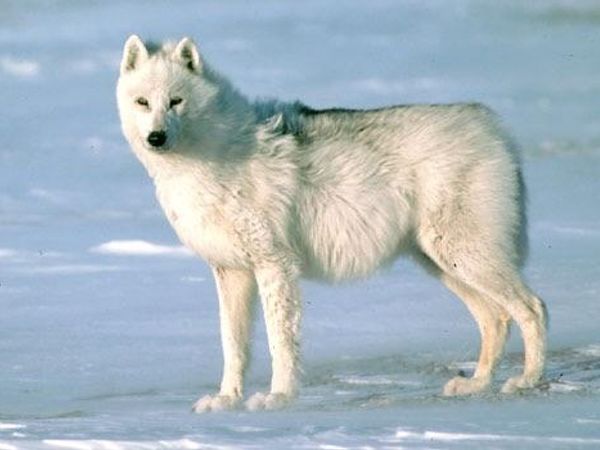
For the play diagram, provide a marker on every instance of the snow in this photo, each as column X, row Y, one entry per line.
column 21, row 68
column 109, row 329
column 186, row 444
column 437, row 436
column 6, row 253
column 10, row 426
column 140, row 247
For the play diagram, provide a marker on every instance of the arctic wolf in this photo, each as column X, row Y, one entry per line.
column 267, row 192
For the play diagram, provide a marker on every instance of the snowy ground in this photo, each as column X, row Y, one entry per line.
column 108, row 329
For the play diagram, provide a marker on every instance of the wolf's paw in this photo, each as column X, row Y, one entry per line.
column 216, row 403
column 465, row 386
column 260, row 401
column 519, row 383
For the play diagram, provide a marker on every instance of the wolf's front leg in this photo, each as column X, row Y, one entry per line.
column 236, row 290
column 282, row 309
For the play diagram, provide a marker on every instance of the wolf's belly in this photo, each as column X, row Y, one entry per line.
column 346, row 238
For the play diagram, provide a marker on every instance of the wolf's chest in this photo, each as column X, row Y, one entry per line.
column 199, row 219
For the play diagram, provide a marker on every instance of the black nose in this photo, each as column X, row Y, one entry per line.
column 157, row 138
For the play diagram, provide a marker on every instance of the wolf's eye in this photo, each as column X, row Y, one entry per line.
column 141, row 101
column 175, row 101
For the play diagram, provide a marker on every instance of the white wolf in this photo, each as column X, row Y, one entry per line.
column 267, row 192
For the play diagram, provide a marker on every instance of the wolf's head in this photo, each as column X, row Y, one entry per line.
column 161, row 93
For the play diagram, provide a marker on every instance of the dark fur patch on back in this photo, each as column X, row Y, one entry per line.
column 287, row 116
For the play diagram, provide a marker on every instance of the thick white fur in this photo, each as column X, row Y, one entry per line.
column 267, row 192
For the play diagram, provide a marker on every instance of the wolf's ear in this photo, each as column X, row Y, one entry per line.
column 187, row 54
column 134, row 53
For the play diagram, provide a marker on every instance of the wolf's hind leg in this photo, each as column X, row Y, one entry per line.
column 236, row 290
column 498, row 280
column 486, row 267
column 530, row 313
column 493, row 322
column 507, row 290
